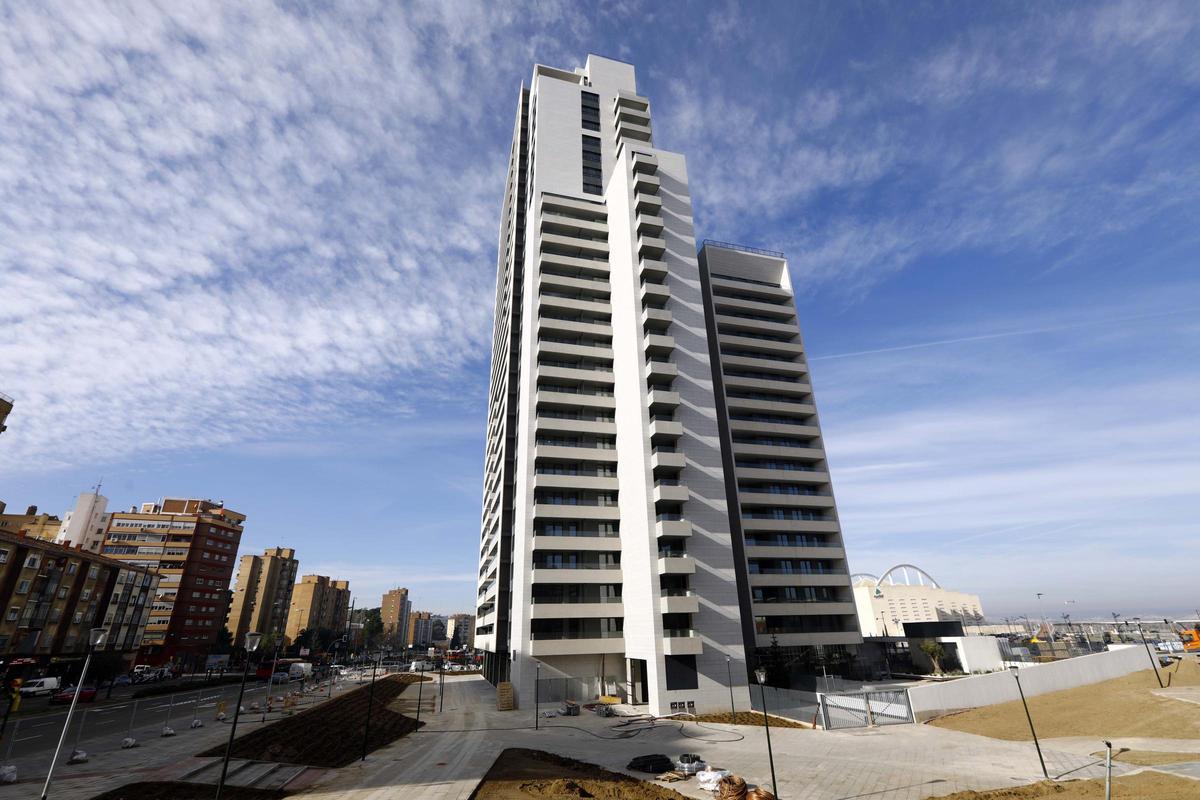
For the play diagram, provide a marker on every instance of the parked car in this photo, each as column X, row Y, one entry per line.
column 39, row 687
column 281, row 677
column 122, row 680
column 87, row 694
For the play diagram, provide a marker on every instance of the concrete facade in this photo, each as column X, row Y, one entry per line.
column 31, row 523
column 908, row 594
column 192, row 545
column 393, row 612
column 263, row 595
column 318, row 603
column 607, row 558
column 53, row 595
column 999, row 687
column 87, row 523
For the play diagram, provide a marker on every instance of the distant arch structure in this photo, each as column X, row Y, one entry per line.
column 864, row 579
column 908, row 575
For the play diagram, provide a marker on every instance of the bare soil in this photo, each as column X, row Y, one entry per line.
column 750, row 718
column 1122, row 707
column 178, row 790
column 520, row 774
column 1143, row 786
column 331, row 734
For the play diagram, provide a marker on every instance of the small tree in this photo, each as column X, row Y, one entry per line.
column 936, row 653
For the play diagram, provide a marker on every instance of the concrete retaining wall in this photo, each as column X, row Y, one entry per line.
column 1000, row 687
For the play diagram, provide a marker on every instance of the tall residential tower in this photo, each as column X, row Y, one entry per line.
column 620, row 540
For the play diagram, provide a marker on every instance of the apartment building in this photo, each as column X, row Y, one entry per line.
column 393, row 613
column 420, row 629
column 54, row 595
column 610, row 550
column 795, row 589
column 31, row 523
column 6, row 407
column 318, row 603
column 192, row 545
column 87, row 523
column 463, row 627
column 262, row 598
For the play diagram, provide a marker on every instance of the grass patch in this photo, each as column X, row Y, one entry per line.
column 1122, row 707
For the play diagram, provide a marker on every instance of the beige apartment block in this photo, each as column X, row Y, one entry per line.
column 262, row 598
column 191, row 544
column 394, row 611
column 318, row 603
column 610, row 553
column 54, row 595
column 31, row 523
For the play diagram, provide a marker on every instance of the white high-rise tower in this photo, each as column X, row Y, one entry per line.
column 611, row 561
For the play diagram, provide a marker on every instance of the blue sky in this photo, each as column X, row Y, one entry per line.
column 248, row 254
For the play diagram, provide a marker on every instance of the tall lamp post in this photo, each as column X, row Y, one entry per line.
column 729, row 677
column 95, row 639
column 761, row 675
column 1145, row 644
column 252, row 640
column 370, row 703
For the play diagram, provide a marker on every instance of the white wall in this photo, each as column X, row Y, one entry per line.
column 1000, row 687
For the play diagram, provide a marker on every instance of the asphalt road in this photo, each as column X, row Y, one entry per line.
column 114, row 720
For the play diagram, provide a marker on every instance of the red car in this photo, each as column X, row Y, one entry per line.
column 87, row 694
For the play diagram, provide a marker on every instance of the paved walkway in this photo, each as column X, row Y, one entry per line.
column 447, row 758
column 1084, row 745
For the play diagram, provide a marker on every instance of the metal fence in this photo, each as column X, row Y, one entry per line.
column 865, row 709
column 794, row 704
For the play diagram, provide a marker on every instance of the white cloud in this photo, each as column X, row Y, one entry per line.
column 227, row 223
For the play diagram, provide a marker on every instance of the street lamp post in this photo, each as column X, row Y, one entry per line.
column 252, row 640
column 420, row 692
column 95, row 639
column 1153, row 660
column 537, row 682
column 729, row 676
column 761, row 675
column 370, row 702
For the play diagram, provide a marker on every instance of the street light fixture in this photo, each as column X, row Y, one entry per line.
column 1153, row 660
column 95, row 639
column 761, row 674
column 253, row 639
column 729, row 677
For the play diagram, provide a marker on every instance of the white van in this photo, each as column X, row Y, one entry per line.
column 421, row 666
column 40, row 686
column 299, row 671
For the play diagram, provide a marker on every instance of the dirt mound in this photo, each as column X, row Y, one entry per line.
column 331, row 734
column 559, row 788
column 177, row 790
column 520, row 774
column 1143, row 786
column 1122, row 707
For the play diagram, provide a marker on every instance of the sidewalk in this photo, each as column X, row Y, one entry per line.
column 447, row 759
